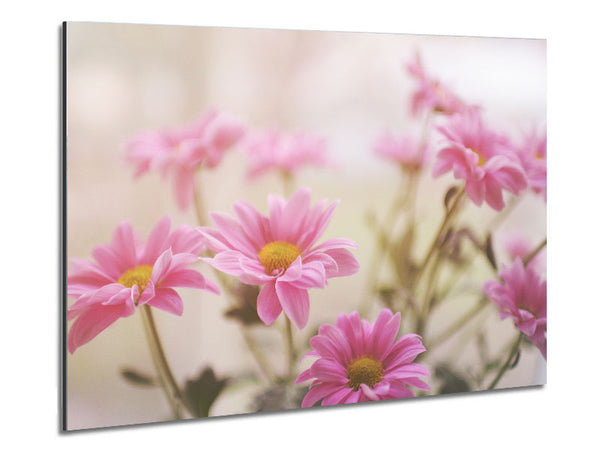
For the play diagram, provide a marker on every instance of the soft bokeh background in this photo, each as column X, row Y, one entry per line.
column 347, row 87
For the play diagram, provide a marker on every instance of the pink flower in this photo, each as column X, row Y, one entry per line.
column 522, row 297
column 532, row 154
column 482, row 158
column 403, row 150
column 279, row 252
column 179, row 152
column 127, row 274
column 285, row 152
column 361, row 362
column 431, row 95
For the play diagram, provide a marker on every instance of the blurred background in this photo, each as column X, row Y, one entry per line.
column 346, row 87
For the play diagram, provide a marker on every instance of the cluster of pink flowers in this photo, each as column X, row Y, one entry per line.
column 481, row 157
column 286, row 153
column 488, row 162
column 179, row 152
column 431, row 95
column 532, row 153
column 521, row 296
column 356, row 361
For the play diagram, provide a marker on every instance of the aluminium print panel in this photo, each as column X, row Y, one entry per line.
column 264, row 220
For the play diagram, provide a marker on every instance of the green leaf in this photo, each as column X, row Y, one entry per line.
column 133, row 376
column 200, row 393
column 489, row 252
column 452, row 381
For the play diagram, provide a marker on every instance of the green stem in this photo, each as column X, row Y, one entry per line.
column 289, row 338
column 450, row 213
column 538, row 249
column 428, row 296
column 508, row 361
column 260, row 358
column 167, row 380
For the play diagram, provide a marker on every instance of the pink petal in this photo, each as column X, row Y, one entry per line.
column 493, row 195
column 384, row 332
column 92, row 322
column 155, row 244
column 161, row 266
column 354, row 397
column 109, row 261
column 304, row 376
column 168, row 300
column 312, row 276
column 334, row 243
column 346, row 262
column 267, row 304
column 184, row 278
column 315, row 232
column 234, row 234
column 329, row 371
column 276, row 205
column 185, row 239
column 368, row 392
column 476, row 191
column 214, row 240
column 123, row 244
column 147, row 294
column 338, row 397
column 294, row 302
column 317, row 392
column 252, row 222
column 296, row 206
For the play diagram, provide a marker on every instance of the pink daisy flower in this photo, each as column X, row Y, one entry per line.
column 430, row 94
column 279, row 252
column 127, row 274
column 532, row 154
column 284, row 152
column 403, row 150
column 480, row 157
column 521, row 296
column 179, row 152
column 361, row 362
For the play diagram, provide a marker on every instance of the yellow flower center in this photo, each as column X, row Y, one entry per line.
column 482, row 159
column 364, row 370
column 139, row 275
column 278, row 255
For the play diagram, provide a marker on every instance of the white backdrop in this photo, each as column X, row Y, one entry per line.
column 564, row 412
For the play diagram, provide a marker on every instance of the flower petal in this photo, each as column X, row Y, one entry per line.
column 168, row 300
column 92, row 322
column 155, row 244
column 267, row 304
column 294, row 302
